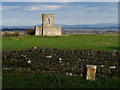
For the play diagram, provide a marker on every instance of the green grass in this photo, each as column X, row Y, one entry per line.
column 96, row 41
column 55, row 81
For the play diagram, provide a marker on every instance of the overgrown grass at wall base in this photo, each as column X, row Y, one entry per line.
column 96, row 41
column 55, row 81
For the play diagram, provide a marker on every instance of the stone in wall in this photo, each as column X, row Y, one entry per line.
column 91, row 72
column 63, row 61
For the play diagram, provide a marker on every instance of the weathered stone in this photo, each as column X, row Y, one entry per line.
column 51, row 31
column 49, row 56
column 62, row 61
column 102, row 66
column 48, row 28
column 29, row 61
column 38, row 30
column 91, row 72
column 112, row 67
column 104, row 70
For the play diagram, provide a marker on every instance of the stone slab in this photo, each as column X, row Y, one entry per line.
column 91, row 72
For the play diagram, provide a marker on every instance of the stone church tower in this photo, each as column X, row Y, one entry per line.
column 48, row 28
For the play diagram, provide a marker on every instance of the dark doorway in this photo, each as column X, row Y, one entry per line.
column 48, row 21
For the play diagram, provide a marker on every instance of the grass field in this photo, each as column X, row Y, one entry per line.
column 87, row 41
column 95, row 41
column 55, row 81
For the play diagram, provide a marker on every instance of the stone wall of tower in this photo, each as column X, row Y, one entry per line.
column 51, row 30
column 38, row 30
column 47, row 19
column 48, row 28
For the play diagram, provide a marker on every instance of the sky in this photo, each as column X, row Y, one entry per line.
column 60, row 0
column 30, row 13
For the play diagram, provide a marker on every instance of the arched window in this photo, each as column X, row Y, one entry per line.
column 48, row 21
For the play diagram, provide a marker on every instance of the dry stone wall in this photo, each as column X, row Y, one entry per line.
column 64, row 61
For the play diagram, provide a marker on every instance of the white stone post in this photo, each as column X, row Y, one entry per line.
column 91, row 72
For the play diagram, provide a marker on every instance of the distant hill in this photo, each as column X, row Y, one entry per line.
column 93, row 26
column 68, row 26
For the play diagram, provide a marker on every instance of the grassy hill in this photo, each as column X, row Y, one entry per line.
column 86, row 41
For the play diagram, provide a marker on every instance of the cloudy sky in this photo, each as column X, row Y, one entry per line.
column 30, row 13
column 60, row 0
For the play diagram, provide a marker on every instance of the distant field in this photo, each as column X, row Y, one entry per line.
column 83, row 41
